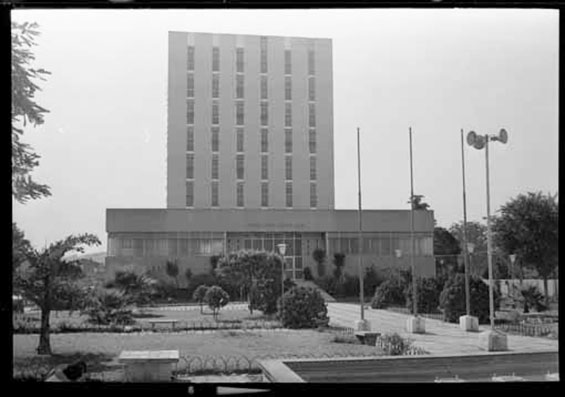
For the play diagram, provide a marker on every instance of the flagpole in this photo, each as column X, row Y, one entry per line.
column 465, row 249
column 361, row 293
column 414, row 278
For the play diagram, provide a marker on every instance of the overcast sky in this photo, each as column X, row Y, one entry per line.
column 103, row 144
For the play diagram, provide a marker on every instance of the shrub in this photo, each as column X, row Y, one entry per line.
column 371, row 281
column 339, row 263
column 137, row 288
column 319, row 256
column 452, row 299
column 308, row 274
column 349, row 286
column 199, row 295
column 200, row 279
column 304, row 308
column 216, row 298
column 394, row 344
column 109, row 307
column 327, row 283
column 429, row 291
column 532, row 298
column 391, row 292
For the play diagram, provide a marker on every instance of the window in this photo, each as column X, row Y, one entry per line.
column 239, row 166
column 190, row 166
column 264, row 167
column 313, row 196
column 287, row 88
column 312, row 140
column 215, row 139
column 215, row 59
column 239, row 139
column 190, row 139
column 263, row 55
column 190, row 58
column 239, row 119
column 264, row 194
column 215, row 166
column 264, row 113
column 264, row 140
column 239, row 86
column 289, row 194
column 215, row 85
column 311, row 61
column 288, row 114
column 190, row 85
column 215, row 112
column 214, row 194
column 311, row 115
column 288, row 140
column 189, row 193
column 287, row 62
column 311, row 88
column 190, row 111
column 239, row 194
column 264, row 87
column 239, row 60
column 312, row 168
column 288, row 167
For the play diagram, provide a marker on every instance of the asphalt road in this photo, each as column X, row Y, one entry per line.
column 477, row 368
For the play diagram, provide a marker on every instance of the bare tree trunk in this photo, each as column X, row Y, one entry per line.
column 546, row 291
column 44, row 343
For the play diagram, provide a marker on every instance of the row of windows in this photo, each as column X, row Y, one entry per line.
column 240, row 84
column 240, row 59
column 385, row 245
column 240, row 160
column 240, row 197
column 240, row 133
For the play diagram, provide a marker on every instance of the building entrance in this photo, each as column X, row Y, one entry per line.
column 268, row 242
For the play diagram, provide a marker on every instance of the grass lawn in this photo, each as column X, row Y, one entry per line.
column 100, row 350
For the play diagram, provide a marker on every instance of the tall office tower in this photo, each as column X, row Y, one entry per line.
column 250, row 122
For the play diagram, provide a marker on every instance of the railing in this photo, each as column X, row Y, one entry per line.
column 404, row 310
column 201, row 365
column 523, row 329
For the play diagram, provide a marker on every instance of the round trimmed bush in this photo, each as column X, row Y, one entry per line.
column 452, row 299
column 390, row 292
column 304, row 308
column 429, row 291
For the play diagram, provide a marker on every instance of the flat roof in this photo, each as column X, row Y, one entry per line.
column 267, row 220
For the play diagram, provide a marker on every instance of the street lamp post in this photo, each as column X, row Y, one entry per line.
column 282, row 250
column 494, row 340
column 361, row 324
column 512, row 275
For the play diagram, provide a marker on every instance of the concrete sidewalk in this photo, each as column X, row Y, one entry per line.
column 440, row 338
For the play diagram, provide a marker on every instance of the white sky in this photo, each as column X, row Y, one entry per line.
column 103, row 144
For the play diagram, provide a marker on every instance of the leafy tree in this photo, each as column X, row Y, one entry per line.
column 172, row 270
column 216, row 298
column 476, row 234
column 532, row 298
column 528, row 227
column 418, row 203
column 371, row 281
column 200, row 296
column 319, row 256
column 25, row 110
column 446, row 249
column 21, row 247
column 258, row 272
column 47, row 274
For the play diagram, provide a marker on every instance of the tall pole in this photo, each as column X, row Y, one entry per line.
column 465, row 251
column 361, row 294
column 489, row 242
column 414, row 279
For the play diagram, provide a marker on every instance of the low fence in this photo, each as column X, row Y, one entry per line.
column 405, row 310
column 203, row 365
column 524, row 329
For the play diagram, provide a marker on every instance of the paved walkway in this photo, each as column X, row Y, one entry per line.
column 440, row 337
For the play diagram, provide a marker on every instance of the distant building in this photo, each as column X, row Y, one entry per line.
column 250, row 164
